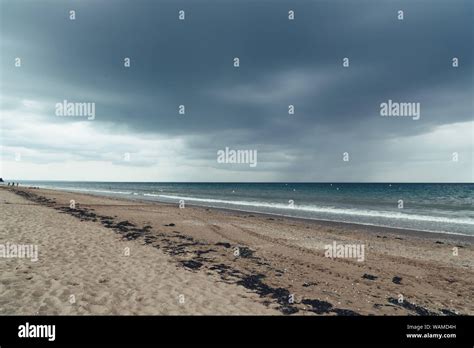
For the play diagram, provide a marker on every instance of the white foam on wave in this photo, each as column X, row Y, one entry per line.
column 328, row 210
column 86, row 190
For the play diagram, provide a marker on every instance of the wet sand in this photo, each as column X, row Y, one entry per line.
column 224, row 262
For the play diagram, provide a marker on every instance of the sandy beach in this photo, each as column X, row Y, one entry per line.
column 115, row 256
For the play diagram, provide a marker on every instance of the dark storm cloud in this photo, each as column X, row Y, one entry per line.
column 282, row 62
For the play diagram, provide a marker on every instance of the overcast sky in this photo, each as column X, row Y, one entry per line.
column 282, row 62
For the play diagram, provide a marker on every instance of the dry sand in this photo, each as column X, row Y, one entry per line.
column 88, row 261
column 280, row 266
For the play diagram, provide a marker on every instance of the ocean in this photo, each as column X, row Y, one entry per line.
column 446, row 208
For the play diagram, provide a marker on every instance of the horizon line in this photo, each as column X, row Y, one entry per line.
column 250, row 182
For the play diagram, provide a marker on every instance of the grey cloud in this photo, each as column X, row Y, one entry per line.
column 282, row 63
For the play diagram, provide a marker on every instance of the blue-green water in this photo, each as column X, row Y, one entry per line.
column 429, row 207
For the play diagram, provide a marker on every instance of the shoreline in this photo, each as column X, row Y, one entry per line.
column 452, row 236
column 277, row 258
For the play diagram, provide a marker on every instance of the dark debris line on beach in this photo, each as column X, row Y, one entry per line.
column 412, row 307
column 178, row 245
